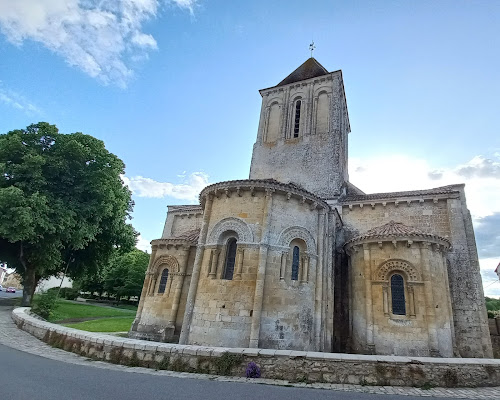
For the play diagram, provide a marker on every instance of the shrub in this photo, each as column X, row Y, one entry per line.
column 253, row 370
column 65, row 293
column 45, row 304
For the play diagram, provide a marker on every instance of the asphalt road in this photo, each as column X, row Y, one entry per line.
column 29, row 377
column 25, row 376
column 5, row 295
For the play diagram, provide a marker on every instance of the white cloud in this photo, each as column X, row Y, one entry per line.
column 143, row 244
column 100, row 37
column 187, row 190
column 491, row 284
column 482, row 187
column 14, row 99
column 401, row 172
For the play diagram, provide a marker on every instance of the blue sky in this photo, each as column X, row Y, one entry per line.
column 171, row 87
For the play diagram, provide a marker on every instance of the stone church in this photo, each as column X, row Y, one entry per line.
column 297, row 257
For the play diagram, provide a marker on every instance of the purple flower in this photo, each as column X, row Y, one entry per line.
column 253, row 370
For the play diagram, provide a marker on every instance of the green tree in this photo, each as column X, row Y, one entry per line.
column 125, row 274
column 63, row 205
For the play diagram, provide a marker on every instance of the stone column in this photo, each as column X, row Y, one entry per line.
column 370, row 344
column 145, row 287
column 195, row 277
column 261, row 273
column 178, row 288
column 318, row 295
column 302, row 269
column 441, row 253
column 385, row 292
column 329, row 282
column 284, row 257
column 284, row 115
column 214, row 262
column 240, row 253
column 425, row 254
column 411, row 300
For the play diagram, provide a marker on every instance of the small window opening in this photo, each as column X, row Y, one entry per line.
column 163, row 281
column 295, row 263
column 296, row 126
column 398, row 295
column 230, row 259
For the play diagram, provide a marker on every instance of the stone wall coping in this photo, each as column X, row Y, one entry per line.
column 22, row 314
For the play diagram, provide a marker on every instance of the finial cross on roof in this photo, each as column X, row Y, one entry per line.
column 312, row 47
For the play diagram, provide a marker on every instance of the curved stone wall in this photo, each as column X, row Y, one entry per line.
column 275, row 364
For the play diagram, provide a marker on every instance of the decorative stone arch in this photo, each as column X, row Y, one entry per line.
column 240, row 227
column 322, row 89
column 166, row 261
column 385, row 271
column 297, row 232
column 274, row 99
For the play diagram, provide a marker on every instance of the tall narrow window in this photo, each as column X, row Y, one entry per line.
column 296, row 125
column 230, row 259
column 295, row 263
column 398, row 295
column 163, row 281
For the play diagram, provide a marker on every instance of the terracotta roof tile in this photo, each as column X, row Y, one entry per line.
column 190, row 236
column 394, row 230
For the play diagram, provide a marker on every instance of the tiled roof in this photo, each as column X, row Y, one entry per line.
column 311, row 68
column 394, row 230
column 440, row 190
column 190, row 236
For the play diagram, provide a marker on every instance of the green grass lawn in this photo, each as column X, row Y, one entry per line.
column 66, row 309
column 117, row 324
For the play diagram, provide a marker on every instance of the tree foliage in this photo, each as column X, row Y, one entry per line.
column 63, row 205
column 125, row 275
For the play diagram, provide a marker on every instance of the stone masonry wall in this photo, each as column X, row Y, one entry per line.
column 446, row 216
column 274, row 364
column 426, row 328
column 316, row 161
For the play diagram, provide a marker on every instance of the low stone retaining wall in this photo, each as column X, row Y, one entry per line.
column 294, row 366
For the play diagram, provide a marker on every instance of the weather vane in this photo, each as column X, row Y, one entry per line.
column 312, row 47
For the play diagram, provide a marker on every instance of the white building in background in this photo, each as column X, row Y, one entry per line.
column 3, row 273
column 53, row 281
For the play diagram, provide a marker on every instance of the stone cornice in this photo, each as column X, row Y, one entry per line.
column 270, row 187
column 168, row 242
column 398, row 201
column 322, row 78
column 438, row 243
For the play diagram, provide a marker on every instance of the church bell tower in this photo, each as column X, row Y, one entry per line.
column 303, row 128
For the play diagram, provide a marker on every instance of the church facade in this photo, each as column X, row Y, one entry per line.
column 298, row 258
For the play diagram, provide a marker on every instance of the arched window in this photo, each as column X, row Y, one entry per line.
column 230, row 259
column 163, row 281
column 398, row 295
column 295, row 263
column 296, row 124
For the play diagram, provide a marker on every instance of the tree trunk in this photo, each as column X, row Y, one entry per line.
column 29, row 286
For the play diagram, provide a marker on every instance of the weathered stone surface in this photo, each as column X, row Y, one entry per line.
column 315, row 257
column 293, row 366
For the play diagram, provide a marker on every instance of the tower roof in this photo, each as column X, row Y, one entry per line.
column 311, row 68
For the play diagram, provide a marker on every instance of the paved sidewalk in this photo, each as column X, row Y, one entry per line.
column 13, row 337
